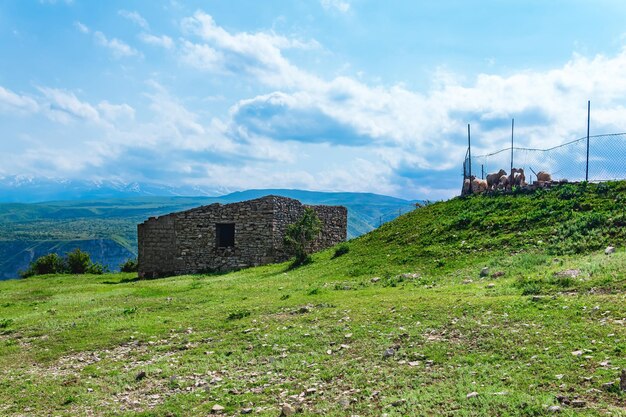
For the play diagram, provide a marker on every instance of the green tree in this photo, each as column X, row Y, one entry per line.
column 47, row 264
column 130, row 265
column 78, row 262
column 299, row 235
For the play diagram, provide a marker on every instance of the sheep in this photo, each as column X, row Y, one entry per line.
column 494, row 179
column 503, row 183
column 479, row 186
column 543, row 176
column 517, row 177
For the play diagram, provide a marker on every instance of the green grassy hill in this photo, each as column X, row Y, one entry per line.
column 403, row 324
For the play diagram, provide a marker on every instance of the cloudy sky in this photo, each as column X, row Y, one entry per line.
column 334, row 95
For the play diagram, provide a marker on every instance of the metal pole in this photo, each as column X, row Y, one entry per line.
column 469, row 158
column 482, row 171
column 588, row 120
column 512, row 130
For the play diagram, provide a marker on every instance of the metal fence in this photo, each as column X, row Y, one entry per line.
column 603, row 160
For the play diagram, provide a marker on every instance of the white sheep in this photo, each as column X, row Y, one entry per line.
column 503, row 183
column 479, row 186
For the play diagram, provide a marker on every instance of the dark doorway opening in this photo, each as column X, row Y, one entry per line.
column 225, row 235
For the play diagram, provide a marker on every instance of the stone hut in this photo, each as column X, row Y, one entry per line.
column 221, row 237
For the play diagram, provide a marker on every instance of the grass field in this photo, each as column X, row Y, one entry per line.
column 403, row 324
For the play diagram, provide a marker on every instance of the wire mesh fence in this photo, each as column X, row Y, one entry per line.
column 606, row 160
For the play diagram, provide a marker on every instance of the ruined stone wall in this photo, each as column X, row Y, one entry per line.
column 334, row 225
column 156, row 239
column 192, row 244
column 186, row 242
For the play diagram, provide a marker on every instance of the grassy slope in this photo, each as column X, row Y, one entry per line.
column 261, row 337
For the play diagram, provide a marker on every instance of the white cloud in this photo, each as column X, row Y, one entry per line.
column 135, row 18
column 116, row 46
column 115, row 112
column 161, row 41
column 340, row 5
column 81, row 27
column 11, row 102
column 258, row 54
column 64, row 107
column 305, row 131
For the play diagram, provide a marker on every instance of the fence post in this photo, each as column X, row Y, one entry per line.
column 469, row 157
column 588, row 120
column 512, row 129
column 482, row 171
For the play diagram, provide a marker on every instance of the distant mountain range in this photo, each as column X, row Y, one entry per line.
column 26, row 189
column 103, row 221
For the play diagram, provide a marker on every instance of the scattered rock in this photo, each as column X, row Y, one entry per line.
column 310, row 391
column 217, row 408
column 562, row 399
column 609, row 250
column 608, row 386
column 344, row 402
column 568, row 273
column 467, row 281
column 303, row 310
column 348, row 336
column 472, row 395
column 389, row 353
column 141, row 375
column 375, row 279
column 398, row 403
column 414, row 363
column 287, row 410
column 491, row 285
column 484, row 272
column 554, row 409
column 497, row 274
column 578, row 403
column 577, row 353
column 247, row 411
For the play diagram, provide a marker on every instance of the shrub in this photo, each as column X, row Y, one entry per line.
column 131, row 265
column 47, row 264
column 75, row 262
column 96, row 269
column 78, row 262
column 300, row 234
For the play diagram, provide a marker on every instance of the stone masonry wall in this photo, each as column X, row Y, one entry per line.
column 334, row 225
column 186, row 242
column 156, row 238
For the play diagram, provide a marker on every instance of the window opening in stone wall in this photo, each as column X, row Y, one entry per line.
column 225, row 235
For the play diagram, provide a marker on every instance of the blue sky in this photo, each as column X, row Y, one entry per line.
column 337, row 95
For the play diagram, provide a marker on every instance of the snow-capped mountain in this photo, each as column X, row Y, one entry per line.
column 26, row 189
